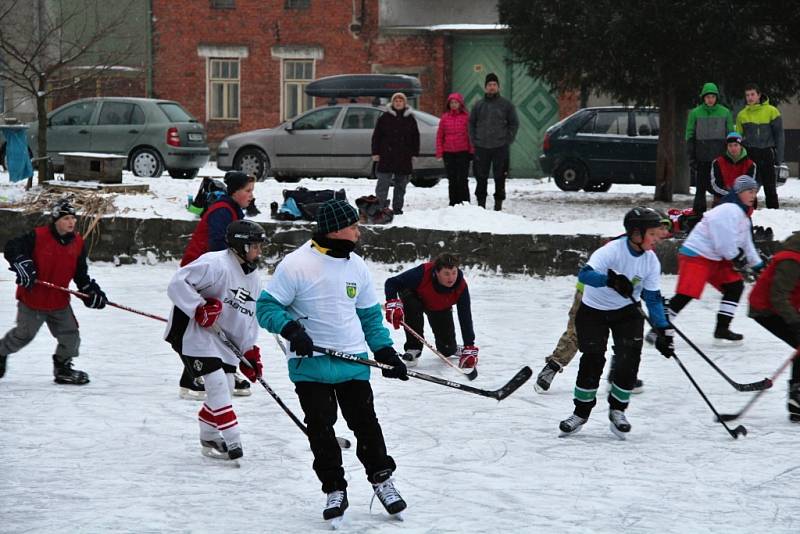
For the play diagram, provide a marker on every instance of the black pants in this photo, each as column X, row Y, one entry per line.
column 319, row 402
column 457, row 166
column 444, row 330
column 764, row 159
column 592, row 326
column 780, row 329
column 495, row 159
column 702, row 181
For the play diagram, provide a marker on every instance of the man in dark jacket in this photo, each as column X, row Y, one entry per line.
column 774, row 304
column 395, row 141
column 52, row 253
column 432, row 288
column 493, row 126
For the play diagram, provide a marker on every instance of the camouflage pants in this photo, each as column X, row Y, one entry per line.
column 567, row 346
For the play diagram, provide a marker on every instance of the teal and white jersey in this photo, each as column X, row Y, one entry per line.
column 644, row 271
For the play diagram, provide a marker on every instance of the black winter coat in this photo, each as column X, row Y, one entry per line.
column 396, row 140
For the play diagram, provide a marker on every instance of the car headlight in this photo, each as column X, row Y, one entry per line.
column 223, row 145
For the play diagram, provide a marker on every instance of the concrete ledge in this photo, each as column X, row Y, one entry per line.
column 526, row 254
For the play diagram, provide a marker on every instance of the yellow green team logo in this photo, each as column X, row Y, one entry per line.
column 351, row 289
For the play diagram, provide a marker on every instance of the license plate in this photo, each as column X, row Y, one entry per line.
column 195, row 137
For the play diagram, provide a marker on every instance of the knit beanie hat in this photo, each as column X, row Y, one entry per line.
column 734, row 137
column 491, row 77
column 62, row 208
column 334, row 215
column 235, row 180
column 745, row 183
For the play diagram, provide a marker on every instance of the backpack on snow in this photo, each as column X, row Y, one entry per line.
column 372, row 211
column 210, row 191
column 302, row 203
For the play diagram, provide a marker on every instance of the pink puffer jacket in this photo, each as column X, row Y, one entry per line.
column 453, row 132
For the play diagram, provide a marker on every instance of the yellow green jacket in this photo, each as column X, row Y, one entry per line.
column 761, row 126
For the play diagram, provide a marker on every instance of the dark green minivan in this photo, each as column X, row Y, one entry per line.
column 596, row 147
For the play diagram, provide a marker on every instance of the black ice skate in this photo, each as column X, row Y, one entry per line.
column 63, row 373
column 194, row 389
column 3, row 359
column 411, row 356
column 793, row 403
column 241, row 387
column 546, row 376
column 383, row 485
column 214, row 448
column 571, row 425
column 619, row 423
column 335, row 505
column 725, row 336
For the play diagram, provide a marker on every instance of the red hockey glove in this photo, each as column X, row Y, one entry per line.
column 469, row 357
column 253, row 356
column 394, row 312
column 206, row 314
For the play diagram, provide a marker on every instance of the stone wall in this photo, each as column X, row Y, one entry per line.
column 527, row 254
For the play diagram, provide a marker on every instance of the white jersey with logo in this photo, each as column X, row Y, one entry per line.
column 322, row 293
column 216, row 275
column 644, row 271
column 720, row 234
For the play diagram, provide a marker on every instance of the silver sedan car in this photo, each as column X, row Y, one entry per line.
column 333, row 140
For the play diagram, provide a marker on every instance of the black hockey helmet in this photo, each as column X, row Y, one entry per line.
column 240, row 234
column 62, row 208
column 641, row 218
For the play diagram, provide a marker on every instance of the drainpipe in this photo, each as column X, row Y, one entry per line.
column 149, row 50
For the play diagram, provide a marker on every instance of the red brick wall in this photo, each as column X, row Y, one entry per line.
column 107, row 85
column 180, row 74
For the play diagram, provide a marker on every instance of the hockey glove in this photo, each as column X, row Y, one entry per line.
column 665, row 343
column 25, row 271
column 256, row 368
column 469, row 357
column 206, row 314
column 740, row 262
column 95, row 298
column 394, row 312
column 620, row 284
column 299, row 342
column 389, row 356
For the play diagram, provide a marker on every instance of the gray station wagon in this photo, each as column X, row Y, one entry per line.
column 155, row 135
column 333, row 140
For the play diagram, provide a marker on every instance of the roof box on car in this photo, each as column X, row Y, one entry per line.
column 355, row 85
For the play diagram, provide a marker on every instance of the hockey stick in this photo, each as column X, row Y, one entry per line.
column 736, row 432
column 737, row 415
column 115, row 305
column 472, row 375
column 343, row 442
column 752, row 386
column 499, row 394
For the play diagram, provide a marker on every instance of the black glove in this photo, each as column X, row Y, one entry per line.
column 25, row 270
column 740, row 261
column 665, row 343
column 620, row 284
column 95, row 298
column 389, row 356
column 299, row 342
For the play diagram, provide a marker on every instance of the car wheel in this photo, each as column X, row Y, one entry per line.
column 571, row 176
column 424, row 182
column 252, row 161
column 146, row 162
column 183, row 174
column 597, row 187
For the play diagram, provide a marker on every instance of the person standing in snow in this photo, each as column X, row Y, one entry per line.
column 431, row 289
column 395, row 144
column 718, row 248
column 53, row 253
column 775, row 305
column 729, row 166
column 216, row 291
column 705, row 140
column 210, row 235
column 493, row 126
column 322, row 294
column 761, row 126
column 453, row 145
column 567, row 346
column 625, row 268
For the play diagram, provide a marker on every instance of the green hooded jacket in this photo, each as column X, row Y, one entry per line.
column 707, row 128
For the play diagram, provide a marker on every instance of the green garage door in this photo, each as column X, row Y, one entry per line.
column 537, row 108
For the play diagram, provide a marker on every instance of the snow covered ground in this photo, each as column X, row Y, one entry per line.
column 121, row 454
column 533, row 206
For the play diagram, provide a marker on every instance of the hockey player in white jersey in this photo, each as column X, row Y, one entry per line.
column 218, row 291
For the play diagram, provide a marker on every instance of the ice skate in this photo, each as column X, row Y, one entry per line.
column 214, row 448
column 571, row 425
column 725, row 337
column 194, row 390
column 411, row 356
column 241, row 387
column 387, row 493
column 335, row 506
column 63, row 373
column 546, row 376
column 619, row 423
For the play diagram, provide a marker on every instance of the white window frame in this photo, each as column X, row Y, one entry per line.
column 226, row 83
column 300, row 83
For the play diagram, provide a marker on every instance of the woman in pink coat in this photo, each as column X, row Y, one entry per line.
column 452, row 144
